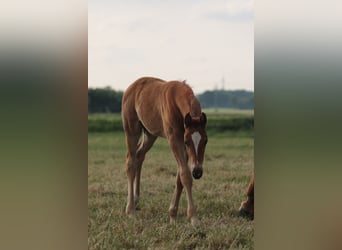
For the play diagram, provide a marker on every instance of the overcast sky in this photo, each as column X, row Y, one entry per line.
column 207, row 43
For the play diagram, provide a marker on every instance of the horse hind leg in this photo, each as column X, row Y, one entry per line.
column 132, row 131
column 146, row 142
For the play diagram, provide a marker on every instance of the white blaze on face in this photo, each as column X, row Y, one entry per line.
column 196, row 138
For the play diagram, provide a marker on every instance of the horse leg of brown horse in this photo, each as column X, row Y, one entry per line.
column 145, row 145
column 185, row 179
column 133, row 131
column 247, row 207
column 175, row 199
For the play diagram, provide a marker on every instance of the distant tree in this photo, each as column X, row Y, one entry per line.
column 238, row 99
column 107, row 100
column 104, row 100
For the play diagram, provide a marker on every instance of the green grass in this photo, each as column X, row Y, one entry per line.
column 217, row 195
column 230, row 112
column 219, row 120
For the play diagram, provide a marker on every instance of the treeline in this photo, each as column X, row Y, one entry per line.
column 217, row 122
column 234, row 99
column 104, row 100
column 107, row 100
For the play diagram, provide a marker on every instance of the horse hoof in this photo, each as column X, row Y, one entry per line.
column 244, row 213
column 130, row 214
column 130, row 211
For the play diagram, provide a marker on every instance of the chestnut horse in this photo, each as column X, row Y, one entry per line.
column 152, row 107
column 247, row 207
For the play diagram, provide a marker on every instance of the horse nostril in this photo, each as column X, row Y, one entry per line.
column 197, row 173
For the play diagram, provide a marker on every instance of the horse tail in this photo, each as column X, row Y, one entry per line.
column 143, row 137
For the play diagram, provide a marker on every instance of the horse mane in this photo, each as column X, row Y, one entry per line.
column 189, row 96
column 195, row 106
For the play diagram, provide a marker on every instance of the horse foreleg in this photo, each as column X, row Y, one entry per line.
column 186, row 180
column 175, row 199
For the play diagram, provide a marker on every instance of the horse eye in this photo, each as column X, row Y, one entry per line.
column 187, row 142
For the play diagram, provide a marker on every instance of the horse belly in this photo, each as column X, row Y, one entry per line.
column 154, row 129
column 152, row 123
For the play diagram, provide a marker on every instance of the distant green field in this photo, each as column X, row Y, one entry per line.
column 230, row 112
column 219, row 120
column 227, row 168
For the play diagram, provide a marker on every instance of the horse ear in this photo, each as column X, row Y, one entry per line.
column 187, row 120
column 203, row 119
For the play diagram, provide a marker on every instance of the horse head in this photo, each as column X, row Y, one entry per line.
column 195, row 140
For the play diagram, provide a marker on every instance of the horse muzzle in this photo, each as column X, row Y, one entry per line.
column 197, row 172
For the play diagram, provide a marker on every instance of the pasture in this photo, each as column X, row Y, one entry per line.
column 227, row 167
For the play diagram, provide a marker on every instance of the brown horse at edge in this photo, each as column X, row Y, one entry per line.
column 152, row 107
column 247, row 206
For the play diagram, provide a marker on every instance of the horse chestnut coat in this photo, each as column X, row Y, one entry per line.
column 153, row 108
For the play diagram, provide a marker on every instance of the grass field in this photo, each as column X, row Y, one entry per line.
column 219, row 120
column 217, row 195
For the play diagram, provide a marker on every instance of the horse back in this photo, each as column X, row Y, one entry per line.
column 156, row 104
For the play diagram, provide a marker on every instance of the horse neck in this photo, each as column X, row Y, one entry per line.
column 195, row 107
column 191, row 105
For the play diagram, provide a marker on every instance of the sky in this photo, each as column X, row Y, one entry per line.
column 210, row 44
